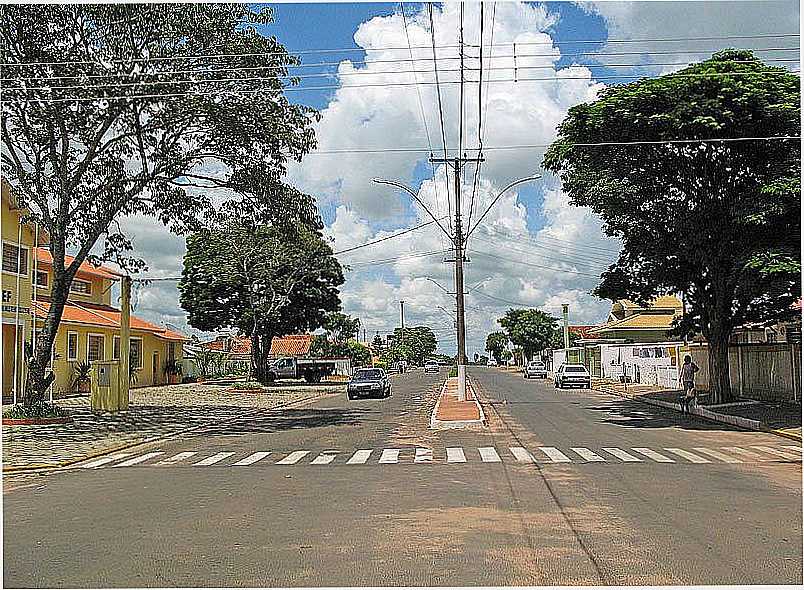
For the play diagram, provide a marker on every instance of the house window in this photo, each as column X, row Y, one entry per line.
column 95, row 347
column 116, row 348
column 10, row 253
column 72, row 346
column 41, row 278
column 171, row 352
column 135, row 353
column 82, row 287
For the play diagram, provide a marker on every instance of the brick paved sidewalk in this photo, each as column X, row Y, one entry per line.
column 153, row 413
column 781, row 417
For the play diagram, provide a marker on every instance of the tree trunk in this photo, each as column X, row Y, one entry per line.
column 257, row 369
column 36, row 381
column 719, row 377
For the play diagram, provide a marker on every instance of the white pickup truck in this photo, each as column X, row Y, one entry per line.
column 312, row 370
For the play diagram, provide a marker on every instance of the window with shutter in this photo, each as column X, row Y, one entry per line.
column 10, row 253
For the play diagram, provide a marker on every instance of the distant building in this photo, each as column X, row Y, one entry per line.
column 291, row 345
column 629, row 322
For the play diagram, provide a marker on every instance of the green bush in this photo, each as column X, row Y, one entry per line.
column 37, row 410
column 453, row 371
column 381, row 365
column 249, row 386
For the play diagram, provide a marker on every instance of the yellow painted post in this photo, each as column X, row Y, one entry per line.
column 125, row 343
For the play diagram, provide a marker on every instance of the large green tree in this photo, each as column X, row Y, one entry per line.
column 530, row 329
column 497, row 345
column 112, row 110
column 719, row 220
column 340, row 327
column 417, row 345
column 264, row 280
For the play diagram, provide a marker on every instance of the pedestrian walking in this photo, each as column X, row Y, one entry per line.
column 687, row 378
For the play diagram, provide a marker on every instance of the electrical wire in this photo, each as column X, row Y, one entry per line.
column 530, row 264
column 292, row 53
column 593, row 265
column 220, row 92
column 383, row 239
column 479, row 162
column 440, row 113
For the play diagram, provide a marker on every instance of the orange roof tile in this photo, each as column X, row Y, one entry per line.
column 106, row 317
column 237, row 345
column 43, row 256
column 292, row 345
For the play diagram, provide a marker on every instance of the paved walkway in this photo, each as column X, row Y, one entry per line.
column 153, row 413
column 452, row 410
column 782, row 417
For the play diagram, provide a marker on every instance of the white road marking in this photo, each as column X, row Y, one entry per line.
column 293, row 458
column 651, row 454
column 455, row 455
column 587, row 454
column 622, row 455
column 717, row 455
column 176, row 458
column 251, row 459
column 777, row 452
column 216, row 458
column 748, row 454
column 555, row 455
column 522, row 455
column 423, row 455
column 324, row 458
column 691, row 457
column 140, row 459
column 360, row 457
column 390, row 456
column 108, row 459
column 489, row 455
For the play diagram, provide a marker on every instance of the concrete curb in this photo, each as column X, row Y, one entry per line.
column 35, row 467
column 437, row 424
column 739, row 421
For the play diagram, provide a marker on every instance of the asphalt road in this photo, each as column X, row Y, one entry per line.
column 355, row 503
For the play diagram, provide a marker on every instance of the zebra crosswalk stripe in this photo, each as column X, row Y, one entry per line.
column 651, row 454
column 176, row 458
column 489, row 455
column 216, row 458
column 360, row 457
column 747, row 454
column 252, row 458
column 423, row 455
column 555, row 455
column 455, row 455
column 622, row 455
column 522, row 455
column 103, row 461
column 691, row 457
column 140, row 459
column 293, row 458
column 717, row 455
column 390, row 456
column 324, row 458
column 587, row 454
column 777, row 452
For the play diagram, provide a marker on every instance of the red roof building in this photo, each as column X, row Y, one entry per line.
column 292, row 345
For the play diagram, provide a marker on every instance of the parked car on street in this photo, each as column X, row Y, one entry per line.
column 492, row 363
column 431, row 367
column 535, row 370
column 371, row 382
column 573, row 376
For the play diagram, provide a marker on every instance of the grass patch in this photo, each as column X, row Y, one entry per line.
column 37, row 410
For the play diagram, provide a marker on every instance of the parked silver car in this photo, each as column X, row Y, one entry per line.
column 431, row 367
column 535, row 370
column 573, row 376
column 369, row 383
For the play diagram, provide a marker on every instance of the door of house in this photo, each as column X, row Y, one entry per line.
column 155, row 369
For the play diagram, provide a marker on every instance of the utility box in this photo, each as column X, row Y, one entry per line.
column 105, row 387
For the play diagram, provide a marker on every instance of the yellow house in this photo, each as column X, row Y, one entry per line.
column 629, row 322
column 90, row 325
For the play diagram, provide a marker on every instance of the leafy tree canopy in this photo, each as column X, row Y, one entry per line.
column 531, row 329
column 112, row 110
column 419, row 340
column 359, row 354
column 263, row 280
column 497, row 345
column 719, row 221
column 340, row 327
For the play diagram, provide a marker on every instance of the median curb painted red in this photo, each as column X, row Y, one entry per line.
column 451, row 413
column 36, row 421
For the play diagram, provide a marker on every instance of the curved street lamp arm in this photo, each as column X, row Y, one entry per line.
column 497, row 198
column 417, row 199
column 439, row 285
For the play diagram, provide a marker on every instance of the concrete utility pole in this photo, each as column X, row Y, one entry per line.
column 565, row 313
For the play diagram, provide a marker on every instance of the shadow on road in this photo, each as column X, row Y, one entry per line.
column 633, row 414
column 291, row 419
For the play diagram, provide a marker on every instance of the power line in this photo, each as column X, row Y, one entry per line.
column 292, row 53
column 440, row 113
column 569, row 244
column 479, row 162
column 219, row 92
column 398, row 258
column 389, row 237
column 522, row 262
column 460, row 111
column 590, row 264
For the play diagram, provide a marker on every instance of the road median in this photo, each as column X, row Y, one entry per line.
column 449, row 412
